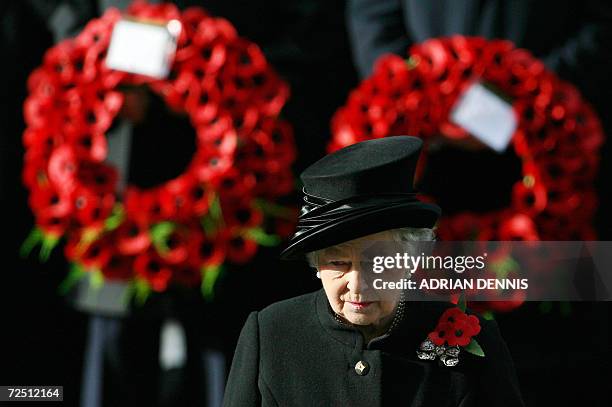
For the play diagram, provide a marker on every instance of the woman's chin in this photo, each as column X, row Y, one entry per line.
column 361, row 316
column 360, row 319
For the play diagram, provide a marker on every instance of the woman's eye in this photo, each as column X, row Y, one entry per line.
column 339, row 263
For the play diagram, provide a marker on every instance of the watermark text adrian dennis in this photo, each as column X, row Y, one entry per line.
column 456, row 264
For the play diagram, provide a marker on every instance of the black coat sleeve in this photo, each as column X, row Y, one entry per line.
column 242, row 389
column 375, row 28
column 498, row 385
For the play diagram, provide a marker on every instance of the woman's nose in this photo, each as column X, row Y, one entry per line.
column 357, row 282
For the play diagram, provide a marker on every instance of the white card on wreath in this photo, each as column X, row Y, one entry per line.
column 486, row 116
column 143, row 48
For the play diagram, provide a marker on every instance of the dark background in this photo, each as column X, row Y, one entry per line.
column 562, row 356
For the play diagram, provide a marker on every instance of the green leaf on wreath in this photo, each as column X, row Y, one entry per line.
column 209, row 225
column 33, row 239
column 96, row 279
column 159, row 235
column 48, row 244
column 209, row 278
column 261, row 237
column 214, row 209
column 115, row 219
column 89, row 236
column 412, row 62
column 474, row 348
column 142, row 291
column 75, row 274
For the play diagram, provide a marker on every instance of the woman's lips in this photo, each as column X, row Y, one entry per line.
column 360, row 305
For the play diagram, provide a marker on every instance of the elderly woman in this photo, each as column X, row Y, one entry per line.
column 350, row 344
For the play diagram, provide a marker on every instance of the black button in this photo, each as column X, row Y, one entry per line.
column 362, row 368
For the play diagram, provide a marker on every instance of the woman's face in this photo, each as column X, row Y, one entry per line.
column 347, row 279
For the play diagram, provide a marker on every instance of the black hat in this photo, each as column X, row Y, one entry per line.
column 362, row 189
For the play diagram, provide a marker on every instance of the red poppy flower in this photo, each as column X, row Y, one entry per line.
column 441, row 333
column 46, row 200
column 454, row 328
column 453, row 315
column 176, row 247
column 209, row 165
column 87, row 111
column 246, row 58
column 235, row 184
column 190, row 19
column 462, row 332
column 132, row 238
column 97, row 254
column 518, row 227
column 245, row 120
column 432, row 58
column 73, row 248
column 242, row 214
column 208, row 251
column 62, row 169
column 281, row 144
column 203, row 105
column 118, row 268
column 222, row 143
column 176, row 197
column 240, row 249
column 391, row 73
column 270, row 92
column 529, row 199
column 89, row 146
column 92, row 209
column 52, row 225
column 178, row 90
column 213, row 55
column 34, row 173
column 493, row 58
column 44, row 84
column 99, row 178
column 152, row 268
column 41, row 142
column 59, row 60
column 40, row 112
column 97, row 32
column 143, row 206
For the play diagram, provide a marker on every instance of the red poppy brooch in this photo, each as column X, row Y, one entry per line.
column 455, row 331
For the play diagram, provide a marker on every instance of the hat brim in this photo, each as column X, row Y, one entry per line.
column 409, row 214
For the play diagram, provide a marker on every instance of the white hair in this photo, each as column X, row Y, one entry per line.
column 398, row 235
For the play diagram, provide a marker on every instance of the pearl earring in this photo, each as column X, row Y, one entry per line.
column 319, row 275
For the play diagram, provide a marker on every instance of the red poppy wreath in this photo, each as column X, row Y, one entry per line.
column 182, row 230
column 557, row 137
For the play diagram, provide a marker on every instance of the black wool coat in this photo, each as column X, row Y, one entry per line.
column 294, row 353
